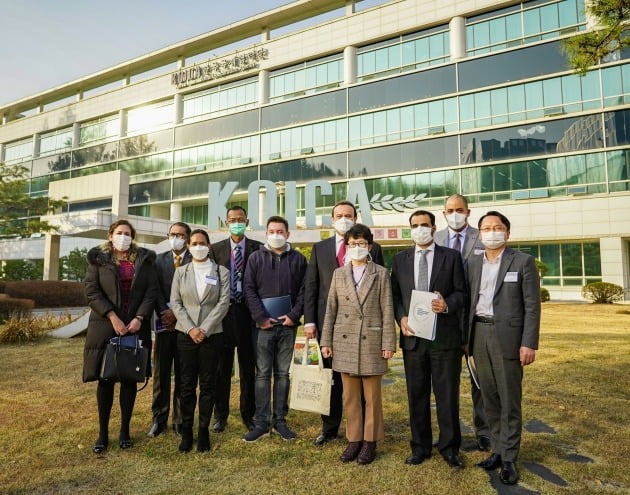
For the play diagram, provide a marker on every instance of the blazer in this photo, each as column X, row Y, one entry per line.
column 447, row 277
column 319, row 273
column 165, row 269
column 207, row 312
column 472, row 241
column 359, row 325
column 221, row 252
column 516, row 304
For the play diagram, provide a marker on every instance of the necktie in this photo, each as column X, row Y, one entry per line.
column 237, row 274
column 423, row 271
column 341, row 255
column 457, row 243
column 178, row 261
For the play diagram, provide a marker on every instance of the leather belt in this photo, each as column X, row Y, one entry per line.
column 484, row 319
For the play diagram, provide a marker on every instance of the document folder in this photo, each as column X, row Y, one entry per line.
column 277, row 306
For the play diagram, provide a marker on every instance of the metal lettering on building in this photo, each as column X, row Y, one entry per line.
column 219, row 68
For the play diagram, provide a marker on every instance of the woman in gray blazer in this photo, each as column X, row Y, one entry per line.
column 359, row 334
column 200, row 297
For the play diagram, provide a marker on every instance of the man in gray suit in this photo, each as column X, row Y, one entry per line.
column 463, row 237
column 504, row 323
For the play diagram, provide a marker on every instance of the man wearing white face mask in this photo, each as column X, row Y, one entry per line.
column 274, row 273
column 165, row 351
column 504, row 325
column 463, row 237
column 326, row 257
column 431, row 363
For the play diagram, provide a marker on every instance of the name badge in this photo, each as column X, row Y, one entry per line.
column 210, row 280
column 239, row 286
column 511, row 277
column 479, row 251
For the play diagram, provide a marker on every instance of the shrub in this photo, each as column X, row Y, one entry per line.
column 544, row 295
column 22, row 330
column 602, row 292
column 14, row 308
column 49, row 293
column 3, row 286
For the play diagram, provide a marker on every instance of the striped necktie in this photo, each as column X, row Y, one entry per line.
column 237, row 274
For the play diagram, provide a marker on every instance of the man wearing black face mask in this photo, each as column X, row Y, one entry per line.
column 165, row 357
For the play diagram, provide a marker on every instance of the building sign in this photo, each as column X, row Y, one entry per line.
column 262, row 201
column 219, row 68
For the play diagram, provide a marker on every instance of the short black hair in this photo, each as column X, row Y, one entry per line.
column 423, row 212
column 359, row 231
column 278, row 219
column 344, row 203
column 181, row 224
column 201, row 231
column 234, row 208
column 493, row 213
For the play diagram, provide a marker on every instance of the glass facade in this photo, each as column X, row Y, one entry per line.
column 306, row 78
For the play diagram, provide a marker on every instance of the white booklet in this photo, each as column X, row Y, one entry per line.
column 421, row 318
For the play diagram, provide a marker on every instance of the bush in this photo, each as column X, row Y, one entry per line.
column 14, row 308
column 3, row 286
column 22, row 330
column 49, row 293
column 602, row 292
column 544, row 295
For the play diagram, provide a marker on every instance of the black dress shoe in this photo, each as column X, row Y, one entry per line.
column 187, row 440
column 492, row 462
column 483, row 443
column 219, row 426
column 177, row 428
column 125, row 443
column 156, row 429
column 415, row 459
column 454, row 460
column 203, row 440
column 100, row 446
column 324, row 438
column 509, row 474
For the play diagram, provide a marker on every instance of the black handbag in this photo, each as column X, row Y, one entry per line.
column 125, row 360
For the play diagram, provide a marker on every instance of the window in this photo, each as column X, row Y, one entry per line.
column 306, row 78
column 149, row 117
column 55, row 141
column 220, row 100
column 18, row 151
column 99, row 130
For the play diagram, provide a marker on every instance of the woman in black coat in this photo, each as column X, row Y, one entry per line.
column 121, row 287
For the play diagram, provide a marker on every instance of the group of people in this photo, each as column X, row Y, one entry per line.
column 242, row 294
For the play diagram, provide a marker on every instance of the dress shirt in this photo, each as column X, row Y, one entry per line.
column 487, row 284
column 416, row 258
column 175, row 255
column 242, row 244
column 462, row 237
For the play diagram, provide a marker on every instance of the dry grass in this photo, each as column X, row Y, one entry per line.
column 579, row 386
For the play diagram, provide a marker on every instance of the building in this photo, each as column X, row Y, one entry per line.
column 418, row 99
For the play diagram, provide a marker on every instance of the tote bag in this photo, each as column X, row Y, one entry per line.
column 310, row 385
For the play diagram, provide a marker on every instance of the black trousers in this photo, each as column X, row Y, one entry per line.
column 165, row 359
column 331, row 423
column 198, row 364
column 239, row 333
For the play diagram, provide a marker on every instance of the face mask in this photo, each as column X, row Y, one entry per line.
column 422, row 235
column 276, row 241
column 456, row 220
column 199, row 252
column 357, row 253
column 121, row 242
column 343, row 225
column 176, row 243
column 493, row 240
column 237, row 229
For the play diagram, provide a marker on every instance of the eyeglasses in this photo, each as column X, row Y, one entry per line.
column 176, row 236
column 361, row 244
column 495, row 228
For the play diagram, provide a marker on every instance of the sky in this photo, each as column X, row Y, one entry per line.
column 46, row 43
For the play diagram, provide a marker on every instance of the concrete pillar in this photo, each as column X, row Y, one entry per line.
column 265, row 35
column 51, row 256
column 126, row 80
column 176, row 212
column 615, row 264
column 122, row 123
column 181, row 62
column 40, row 108
column 36, row 146
column 76, row 134
column 350, row 7
column 457, row 35
column 178, row 108
column 349, row 65
column 120, row 197
column 1, row 153
column 263, row 87
column 79, row 95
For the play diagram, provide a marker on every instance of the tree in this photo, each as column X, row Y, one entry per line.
column 22, row 270
column 74, row 265
column 612, row 34
column 19, row 212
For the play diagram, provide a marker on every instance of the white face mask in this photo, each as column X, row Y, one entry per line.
column 422, row 235
column 199, row 252
column 493, row 240
column 357, row 253
column 343, row 225
column 121, row 242
column 276, row 241
column 456, row 220
column 176, row 243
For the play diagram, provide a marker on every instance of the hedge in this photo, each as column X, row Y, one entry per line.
column 14, row 308
column 49, row 293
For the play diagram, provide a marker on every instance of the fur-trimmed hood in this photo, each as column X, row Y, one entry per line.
column 104, row 255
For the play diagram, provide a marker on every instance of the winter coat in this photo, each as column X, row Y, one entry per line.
column 102, row 288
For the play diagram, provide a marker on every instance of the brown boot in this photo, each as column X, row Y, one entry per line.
column 351, row 452
column 368, row 453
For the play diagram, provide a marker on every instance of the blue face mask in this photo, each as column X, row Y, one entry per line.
column 238, row 229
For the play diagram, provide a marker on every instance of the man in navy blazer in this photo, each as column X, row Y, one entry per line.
column 325, row 259
column 504, row 325
column 436, row 363
column 238, row 326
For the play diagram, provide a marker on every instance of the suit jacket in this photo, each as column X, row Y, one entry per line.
column 207, row 312
column 447, row 277
column 221, row 252
column 359, row 325
column 165, row 269
column 472, row 241
column 319, row 273
column 516, row 305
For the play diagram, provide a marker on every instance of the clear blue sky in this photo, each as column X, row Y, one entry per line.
column 45, row 43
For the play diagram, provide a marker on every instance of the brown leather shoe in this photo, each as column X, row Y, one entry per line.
column 368, row 453
column 351, row 452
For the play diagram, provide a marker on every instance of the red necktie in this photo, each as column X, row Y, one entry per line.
column 341, row 255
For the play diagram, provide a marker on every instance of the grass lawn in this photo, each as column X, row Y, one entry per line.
column 578, row 390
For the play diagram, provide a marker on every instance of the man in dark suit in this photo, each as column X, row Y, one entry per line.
column 326, row 256
column 504, row 324
column 463, row 237
column 165, row 357
column 431, row 268
column 238, row 326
